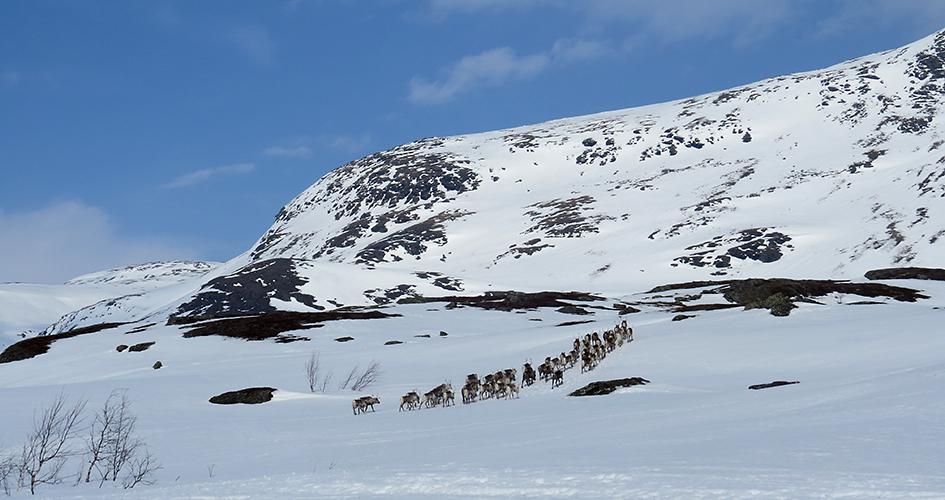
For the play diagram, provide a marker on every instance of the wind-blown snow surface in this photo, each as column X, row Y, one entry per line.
column 867, row 419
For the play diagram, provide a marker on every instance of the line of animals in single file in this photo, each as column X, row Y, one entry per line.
column 588, row 351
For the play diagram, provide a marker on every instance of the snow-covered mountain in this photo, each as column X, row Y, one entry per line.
column 824, row 174
column 471, row 254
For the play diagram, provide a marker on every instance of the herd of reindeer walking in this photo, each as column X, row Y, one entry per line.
column 588, row 351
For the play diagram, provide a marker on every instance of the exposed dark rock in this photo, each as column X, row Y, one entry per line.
column 140, row 347
column 443, row 334
column 776, row 383
column 34, row 346
column 906, row 273
column 681, row 317
column 412, row 240
column 249, row 291
column 344, row 339
column 251, row 396
column 564, row 218
column 157, row 365
column 393, row 342
column 608, row 386
column 758, row 244
column 121, row 348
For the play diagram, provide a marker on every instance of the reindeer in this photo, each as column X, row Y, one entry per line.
column 430, row 399
column 469, row 394
column 511, row 390
column 448, row 398
column 528, row 375
column 361, row 404
column 557, row 379
column 410, row 401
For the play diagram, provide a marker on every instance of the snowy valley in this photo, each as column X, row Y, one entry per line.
column 702, row 223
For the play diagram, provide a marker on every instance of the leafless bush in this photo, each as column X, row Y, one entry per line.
column 369, row 377
column 323, row 387
column 140, row 469
column 49, row 445
column 311, row 370
column 352, row 375
column 112, row 441
column 6, row 470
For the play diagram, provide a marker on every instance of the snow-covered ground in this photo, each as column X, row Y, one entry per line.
column 867, row 419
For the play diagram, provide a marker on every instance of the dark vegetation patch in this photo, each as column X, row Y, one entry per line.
column 34, row 346
column 776, row 383
column 140, row 347
column 572, row 323
column 251, row 396
column 906, row 273
column 507, row 301
column 248, row 291
column 779, row 294
column 681, row 317
column 272, row 325
column 625, row 309
column 608, row 386
column 564, row 218
column 139, row 329
column 572, row 309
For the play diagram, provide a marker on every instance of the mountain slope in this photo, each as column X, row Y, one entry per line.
column 825, row 174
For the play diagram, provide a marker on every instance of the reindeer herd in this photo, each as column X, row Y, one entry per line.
column 588, row 351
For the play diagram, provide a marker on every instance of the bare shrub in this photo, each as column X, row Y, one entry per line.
column 112, row 441
column 7, row 468
column 311, row 370
column 352, row 375
column 140, row 469
column 370, row 376
column 323, row 387
column 49, row 445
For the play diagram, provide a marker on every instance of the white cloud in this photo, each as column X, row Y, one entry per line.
column 303, row 152
column 65, row 240
column 304, row 147
column 498, row 66
column 255, row 42
column 206, row 174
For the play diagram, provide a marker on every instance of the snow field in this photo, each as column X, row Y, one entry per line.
column 865, row 421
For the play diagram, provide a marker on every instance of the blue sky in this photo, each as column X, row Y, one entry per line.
column 152, row 130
